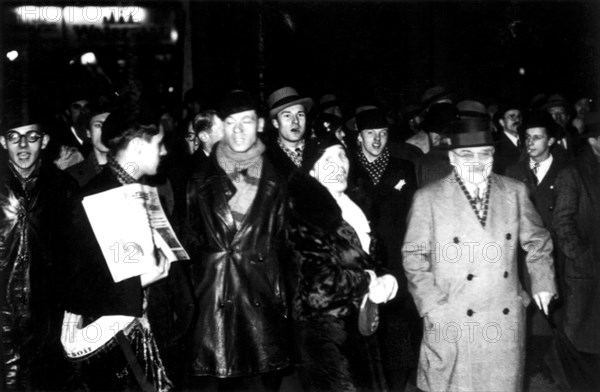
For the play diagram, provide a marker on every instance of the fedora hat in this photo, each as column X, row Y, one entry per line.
column 591, row 125
column 555, row 100
column 435, row 94
column 471, row 109
column 284, row 98
column 470, row 132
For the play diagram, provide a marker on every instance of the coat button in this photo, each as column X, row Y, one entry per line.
column 257, row 304
column 508, row 236
column 221, row 304
column 456, row 240
column 551, row 186
column 505, row 310
column 550, row 208
column 470, row 277
column 506, row 274
column 470, row 312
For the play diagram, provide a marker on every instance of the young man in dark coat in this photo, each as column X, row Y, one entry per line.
column 508, row 143
column 235, row 227
column 34, row 202
column 383, row 187
column 576, row 221
column 288, row 112
column 538, row 171
column 135, row 150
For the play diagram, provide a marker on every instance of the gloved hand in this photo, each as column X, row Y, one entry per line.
column 383, row 288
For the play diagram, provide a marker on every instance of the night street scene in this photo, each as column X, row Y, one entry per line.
column 251, row 195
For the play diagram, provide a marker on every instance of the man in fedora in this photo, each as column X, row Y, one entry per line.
column 558, row 107
column 576, row 221
column 460, row 259
column 288, row 112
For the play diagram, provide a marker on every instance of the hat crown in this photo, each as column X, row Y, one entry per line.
column 281, row 94
column 470, row 132
column 284, row 98
column 237, row 101
column 372, row 118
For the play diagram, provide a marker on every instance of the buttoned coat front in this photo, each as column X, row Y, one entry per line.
column 464, row 280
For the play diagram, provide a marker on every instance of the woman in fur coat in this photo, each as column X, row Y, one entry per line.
column 330, row 238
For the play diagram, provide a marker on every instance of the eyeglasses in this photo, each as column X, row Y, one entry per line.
column 31, row 137
column 190, row 136
column 483, row 155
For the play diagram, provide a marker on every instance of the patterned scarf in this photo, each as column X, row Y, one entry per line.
column 296, row 154
column 377, row 167
column 122, row 176
column 244, row 170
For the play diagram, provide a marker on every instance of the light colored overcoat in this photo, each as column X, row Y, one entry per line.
column 464, row 280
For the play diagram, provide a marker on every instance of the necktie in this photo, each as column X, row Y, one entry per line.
column 519, row 143
column 535, row 169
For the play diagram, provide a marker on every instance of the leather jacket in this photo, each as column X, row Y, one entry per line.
column 237, row 276
column 32, row 220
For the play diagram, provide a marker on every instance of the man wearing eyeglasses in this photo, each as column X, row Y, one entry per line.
column 34, row 199
column 460, row 260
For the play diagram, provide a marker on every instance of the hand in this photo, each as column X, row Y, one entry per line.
column 157, row 273
column 384, row 289
column 542, row 299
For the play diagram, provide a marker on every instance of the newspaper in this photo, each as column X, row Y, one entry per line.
column 132, row 229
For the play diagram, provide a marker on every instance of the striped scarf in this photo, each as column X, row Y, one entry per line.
column 244, row 170
column 377, row 167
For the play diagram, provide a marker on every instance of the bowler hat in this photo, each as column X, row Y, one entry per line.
column 555, row 100
column 470, row 132
column 284, row 98
column 372, row 118
column 591, row 125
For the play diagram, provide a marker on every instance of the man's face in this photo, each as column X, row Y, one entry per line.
column 331, row 170
column 77, row 109
column 538, row 143
column 191, row 139
column 150, row 153
column 511, row 121
column 559, row 114
column 473, row 164
column 215, row 135
column 95, row 132
column 241, row 130
column 24, row 146
column 291, row 123
column 373, row 142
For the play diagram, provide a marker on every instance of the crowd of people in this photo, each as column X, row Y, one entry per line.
column 450, row 247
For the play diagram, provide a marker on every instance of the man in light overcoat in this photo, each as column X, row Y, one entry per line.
column 460, row 259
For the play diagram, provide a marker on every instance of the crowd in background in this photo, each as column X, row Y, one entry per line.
column 298, row 215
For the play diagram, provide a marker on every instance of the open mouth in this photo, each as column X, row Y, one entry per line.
column 23, row 156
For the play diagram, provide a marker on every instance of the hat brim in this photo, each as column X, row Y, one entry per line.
column 306, row 102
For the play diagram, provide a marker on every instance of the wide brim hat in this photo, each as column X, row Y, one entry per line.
column 555, row 100
column 286, row 97
column 470, row 132
column 591, row 125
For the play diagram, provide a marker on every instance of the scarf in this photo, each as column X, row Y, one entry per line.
column 296, row 154
column 356, row 218
column 377, row 167
column 122, row 176
column 244, row 171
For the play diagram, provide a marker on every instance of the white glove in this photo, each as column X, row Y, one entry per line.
column 384, row 289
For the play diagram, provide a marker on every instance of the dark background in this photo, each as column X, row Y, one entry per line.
column 382, row 51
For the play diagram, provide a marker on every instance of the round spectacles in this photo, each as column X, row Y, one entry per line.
column 31, row 137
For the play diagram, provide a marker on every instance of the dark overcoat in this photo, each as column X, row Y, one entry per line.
column 576, row 223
